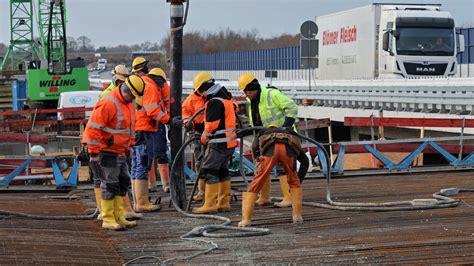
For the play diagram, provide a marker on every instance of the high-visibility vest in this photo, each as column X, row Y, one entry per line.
column 151, row 114
column 191, row 105
column 213, row 134
column 273, row 107
column 110, row 126
column 110, row 88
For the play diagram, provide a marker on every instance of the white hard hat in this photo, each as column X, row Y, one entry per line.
column 38, row 149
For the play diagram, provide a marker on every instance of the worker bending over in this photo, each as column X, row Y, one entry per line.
column 269, row 106
column 220, row 137
column 274, row 145
column 192, row 104
column 109, row 135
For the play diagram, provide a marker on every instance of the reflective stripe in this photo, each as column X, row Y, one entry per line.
column 148, row 107
column 223, row 131
column 221, row 140
column 291, row 112
column 107, row 129
column 206, row 134
column 270, row 106
column 119, row 111
column 158, row 118
column 142, row 110
column 273, row 119
column 290, row 104
column 93, row 142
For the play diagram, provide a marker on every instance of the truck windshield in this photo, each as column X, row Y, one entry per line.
column 425, row 41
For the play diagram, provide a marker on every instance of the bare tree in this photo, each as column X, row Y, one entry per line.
column 85, row 44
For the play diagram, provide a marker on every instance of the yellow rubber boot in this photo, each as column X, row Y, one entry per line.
column 164, row 170
column 119, row 208
column 248, row 201
column 129, row 212
column 202, row 188
column 210, row 200
column 108, row 217
column 152, row 178
column 285, row 189
column 264, row 196
column 223, row 196
column 297, row 198
column 98, row 202
column 143, row 204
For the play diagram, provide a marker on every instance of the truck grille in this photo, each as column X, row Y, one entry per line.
column 419, row 69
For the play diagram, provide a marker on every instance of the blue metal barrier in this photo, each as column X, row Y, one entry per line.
column 71, row 181
column 338, row 166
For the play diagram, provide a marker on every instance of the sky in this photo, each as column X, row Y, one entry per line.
column 113, row 22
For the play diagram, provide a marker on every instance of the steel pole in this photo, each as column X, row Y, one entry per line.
column 175, row 136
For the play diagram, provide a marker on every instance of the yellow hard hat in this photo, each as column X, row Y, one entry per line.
column 200, row 78
column 120, row 72
column 139, row 63
column 136, row 85
column 157, row 72
column 245, row 80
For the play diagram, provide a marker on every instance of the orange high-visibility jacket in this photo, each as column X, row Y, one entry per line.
column 191, row 105
column 166, row 96
column 110, row 126
column 214, row 130
column 151, row 114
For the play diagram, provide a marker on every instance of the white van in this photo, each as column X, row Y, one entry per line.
column 77, row 99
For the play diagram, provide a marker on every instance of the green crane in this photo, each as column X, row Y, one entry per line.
column 22, row 43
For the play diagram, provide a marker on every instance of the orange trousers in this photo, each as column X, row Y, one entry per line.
column 265, row 165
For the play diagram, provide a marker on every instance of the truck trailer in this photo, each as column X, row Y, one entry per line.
column 388, row 41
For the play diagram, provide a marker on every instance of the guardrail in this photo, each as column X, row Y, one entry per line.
column 436, row 95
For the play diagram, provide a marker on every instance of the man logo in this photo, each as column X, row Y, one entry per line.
column 426, row 69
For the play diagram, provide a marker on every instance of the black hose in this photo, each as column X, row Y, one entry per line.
column 45, row 217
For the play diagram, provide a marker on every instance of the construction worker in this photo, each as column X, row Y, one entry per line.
column 140, row 67
column 119, row 74
column 161, row 140
column 109, row 135
column 274, row 145
column 269, row 106
column 220, row 137
column 150, row 115
column 193, row 103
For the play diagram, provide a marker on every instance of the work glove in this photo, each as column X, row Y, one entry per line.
column 188, row 126
column 83, row 156
column 176, row 122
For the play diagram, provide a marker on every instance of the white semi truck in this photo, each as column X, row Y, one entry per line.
column 388, row 41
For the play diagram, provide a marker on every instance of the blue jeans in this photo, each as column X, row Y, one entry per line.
column 139, row 167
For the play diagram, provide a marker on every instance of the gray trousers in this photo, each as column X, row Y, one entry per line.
column 114, row 180
column 215, row 164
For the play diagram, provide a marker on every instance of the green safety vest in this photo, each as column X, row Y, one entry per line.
column 107, row 91
column 274, row 106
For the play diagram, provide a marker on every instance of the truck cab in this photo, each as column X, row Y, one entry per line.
column 102, row 64
column 417, row 41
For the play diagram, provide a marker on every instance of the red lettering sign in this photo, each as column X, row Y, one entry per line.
column 344, row 35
